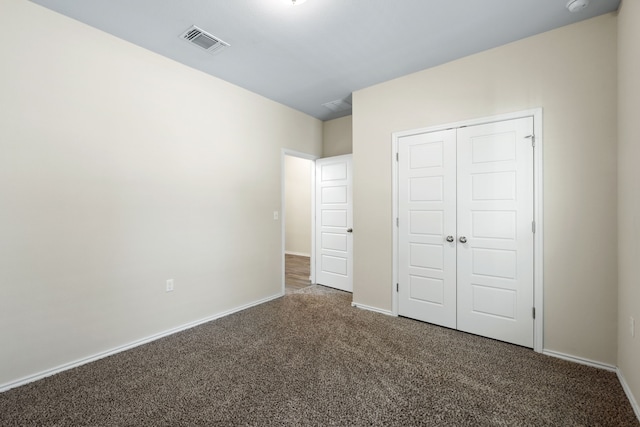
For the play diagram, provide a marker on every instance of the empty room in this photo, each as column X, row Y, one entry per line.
column 319, row 212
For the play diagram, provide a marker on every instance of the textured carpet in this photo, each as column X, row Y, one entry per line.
column 309, row 358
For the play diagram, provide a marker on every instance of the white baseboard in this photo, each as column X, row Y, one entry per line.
column 369, row 308
column 580, row 360
column 297, row 254
column 630, row 396
column 101, row 355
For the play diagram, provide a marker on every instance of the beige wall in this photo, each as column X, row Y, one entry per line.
column 569, row 72
column 629, row 192
column 297, row 205
column 337, row 137
column 119, row 170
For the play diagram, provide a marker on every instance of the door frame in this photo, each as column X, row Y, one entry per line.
column 538, row 277
column 292, row 153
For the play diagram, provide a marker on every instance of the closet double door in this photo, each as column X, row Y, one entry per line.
column 465, row 228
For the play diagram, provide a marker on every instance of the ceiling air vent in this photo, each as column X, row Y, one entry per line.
column 338, row 105
column 203, row 40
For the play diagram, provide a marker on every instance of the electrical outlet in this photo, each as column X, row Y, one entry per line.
column 632, row 325
column 170, row 285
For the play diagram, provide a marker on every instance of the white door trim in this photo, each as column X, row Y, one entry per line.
column 287, row 152
column 538, row 267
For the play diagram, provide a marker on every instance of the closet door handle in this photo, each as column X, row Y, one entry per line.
column 349, row 230
column 463, row 239
column 450, row 239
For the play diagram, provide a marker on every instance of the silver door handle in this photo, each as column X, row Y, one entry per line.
column 450, row 239
column 463, row 239
column 349, row 230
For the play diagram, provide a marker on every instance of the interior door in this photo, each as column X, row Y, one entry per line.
column 465, row 236
column 427, row 216
column 334, row 222
column 495, row 234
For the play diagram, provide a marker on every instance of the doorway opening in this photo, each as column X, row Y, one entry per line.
column 298, row 171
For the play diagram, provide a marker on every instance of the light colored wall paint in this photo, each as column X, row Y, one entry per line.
column 629, row 192
column 337, row 137
column 569, row 72
column 297, row 205
column 121, row 169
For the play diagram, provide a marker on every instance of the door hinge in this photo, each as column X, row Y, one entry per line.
column 397, row 222
column 397, row 157
column 533, row 226
column 397, row 287
column 533, row 139
column 533, row 312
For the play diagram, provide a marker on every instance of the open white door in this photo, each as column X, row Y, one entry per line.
column 334, row 222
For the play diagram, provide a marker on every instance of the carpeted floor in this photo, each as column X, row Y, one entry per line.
column 309, row 358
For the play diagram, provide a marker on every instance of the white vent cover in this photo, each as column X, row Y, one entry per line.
column 203, row 40
column 337, row 105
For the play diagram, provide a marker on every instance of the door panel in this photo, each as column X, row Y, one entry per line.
column 334, row 194
column 495, row 214
column 334, row 214
column 334, row 241
column 333, row 218
column 427, row 209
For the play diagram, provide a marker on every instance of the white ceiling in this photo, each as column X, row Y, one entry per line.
column 323, row 50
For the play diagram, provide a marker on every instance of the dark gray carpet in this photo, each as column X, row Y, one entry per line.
column 309, row 358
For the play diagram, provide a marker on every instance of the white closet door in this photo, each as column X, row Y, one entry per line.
column 427, row 211
column 495, row 236
column 334, row 219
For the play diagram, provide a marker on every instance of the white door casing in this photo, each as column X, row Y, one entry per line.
column 427, row 210
column 482, row 182
column 495, row 216
column 334, row 222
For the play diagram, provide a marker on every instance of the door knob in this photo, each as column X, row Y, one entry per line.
column 349, row 230
column 450, row 239
column 463, row 239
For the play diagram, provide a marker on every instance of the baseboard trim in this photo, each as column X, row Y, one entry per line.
column 580, row 360
column 374, row 309
column 297, row 254
column 627, row 391
column 133, row 344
